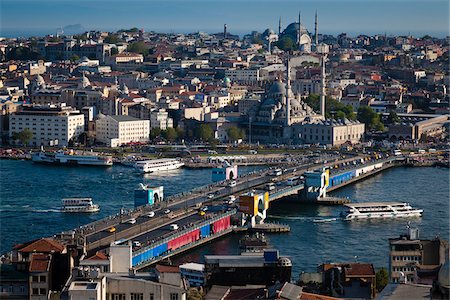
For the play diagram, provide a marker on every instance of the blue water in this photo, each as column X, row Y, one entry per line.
column 30, row 194
column 310, row 244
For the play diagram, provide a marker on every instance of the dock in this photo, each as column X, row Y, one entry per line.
column 270, row 228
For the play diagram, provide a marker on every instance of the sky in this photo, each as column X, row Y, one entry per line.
column 393, row 17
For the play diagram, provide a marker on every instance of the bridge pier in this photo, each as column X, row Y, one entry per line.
column 253, row 206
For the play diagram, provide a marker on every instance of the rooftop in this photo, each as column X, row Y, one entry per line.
column 45, row 245
column 40, row 262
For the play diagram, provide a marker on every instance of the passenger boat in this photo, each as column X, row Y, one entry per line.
column 155, row 165
column 376, row 210
column 72, row 158
column 79, row 205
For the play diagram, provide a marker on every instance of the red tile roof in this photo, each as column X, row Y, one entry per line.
column 45, row 245
column 98, row 256
column 310, row 296
column 167, row 269
column 359, row 269
column 40, row 262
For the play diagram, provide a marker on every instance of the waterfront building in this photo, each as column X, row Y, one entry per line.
column 332, row 132
column 118, row 130
column 50, row 125
column 160, row 119
column 409, row 255
column 265, row 268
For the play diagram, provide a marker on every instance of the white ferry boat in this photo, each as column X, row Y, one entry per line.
column 373, row 210
column 79, row 205
column 72, row 158
column 155, row 165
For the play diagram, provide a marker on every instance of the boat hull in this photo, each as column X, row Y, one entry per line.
column 411, row 214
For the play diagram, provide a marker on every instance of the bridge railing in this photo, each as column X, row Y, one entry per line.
column 170, row 236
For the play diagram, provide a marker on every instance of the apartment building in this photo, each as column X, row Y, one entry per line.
column 160, row 119
column 118, row 130
column 49, row 124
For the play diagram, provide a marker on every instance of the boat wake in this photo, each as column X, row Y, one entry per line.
column 46, row 210
column 290, row 218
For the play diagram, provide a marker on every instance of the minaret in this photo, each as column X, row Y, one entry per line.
column 322, row 90
column 316, row 32
column 299, row 31
column 279, row 27
column 224, row 31
column 288, row 88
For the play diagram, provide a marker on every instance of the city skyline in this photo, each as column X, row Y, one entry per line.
column 372, row 17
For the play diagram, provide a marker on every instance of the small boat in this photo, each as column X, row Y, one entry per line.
column 324, row 220
column 79, row 205
column 380, row 210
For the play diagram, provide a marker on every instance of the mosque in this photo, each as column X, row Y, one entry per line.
column 279, row 110
column 300, row 35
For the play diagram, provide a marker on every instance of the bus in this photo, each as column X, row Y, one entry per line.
column 276, row 172
column 292, row 181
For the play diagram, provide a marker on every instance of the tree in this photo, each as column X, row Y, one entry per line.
column 180, row 132
column 393, row 117
column 155, row 132
column 204, row 132
column 112, row 39
column 138, row 47
column 233, row 133
column 114, row 51
column 171, row 134
column 381, row 278
column 74, row 57
column 285, row 43
column 367, row 116
column 340, row 115
column 194, row 294
column 23, row 136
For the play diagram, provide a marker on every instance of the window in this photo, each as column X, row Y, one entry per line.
column 35, row 291
column 117, row 296
column 152, row 296
column 22, row 289
column 42, row 291
column 173, row 296
column 137, row 296
column 35, row 278
column 42, row 278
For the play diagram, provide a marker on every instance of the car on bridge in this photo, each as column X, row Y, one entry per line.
column 112, row 229
column 232, row 184
column 167, row 211
column 129, row 221
column 210, row 196
column 150, row 214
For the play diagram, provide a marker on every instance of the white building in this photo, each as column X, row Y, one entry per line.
column 118, row 130
column 332, row 132
column 243, row 75
column 50, row 125
column 160, row 119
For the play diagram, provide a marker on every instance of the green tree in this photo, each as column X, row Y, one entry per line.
column 74, row 57
column 194, row 294
column 393, row 117
column 112, row 39
column 180, row 132
column 367, row 116
column 114, row 51
column 340, row 115
column 23, row 136
column 171, row 134
column 138, row 47
column 234, row 134
column 285, row 43
column 155, row 132
column 381, row 278
column 205, row 132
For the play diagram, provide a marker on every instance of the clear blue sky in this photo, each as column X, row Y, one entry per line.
column 417, row 17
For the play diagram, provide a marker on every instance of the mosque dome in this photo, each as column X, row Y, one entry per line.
column 277, row 88
column 292, row 29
